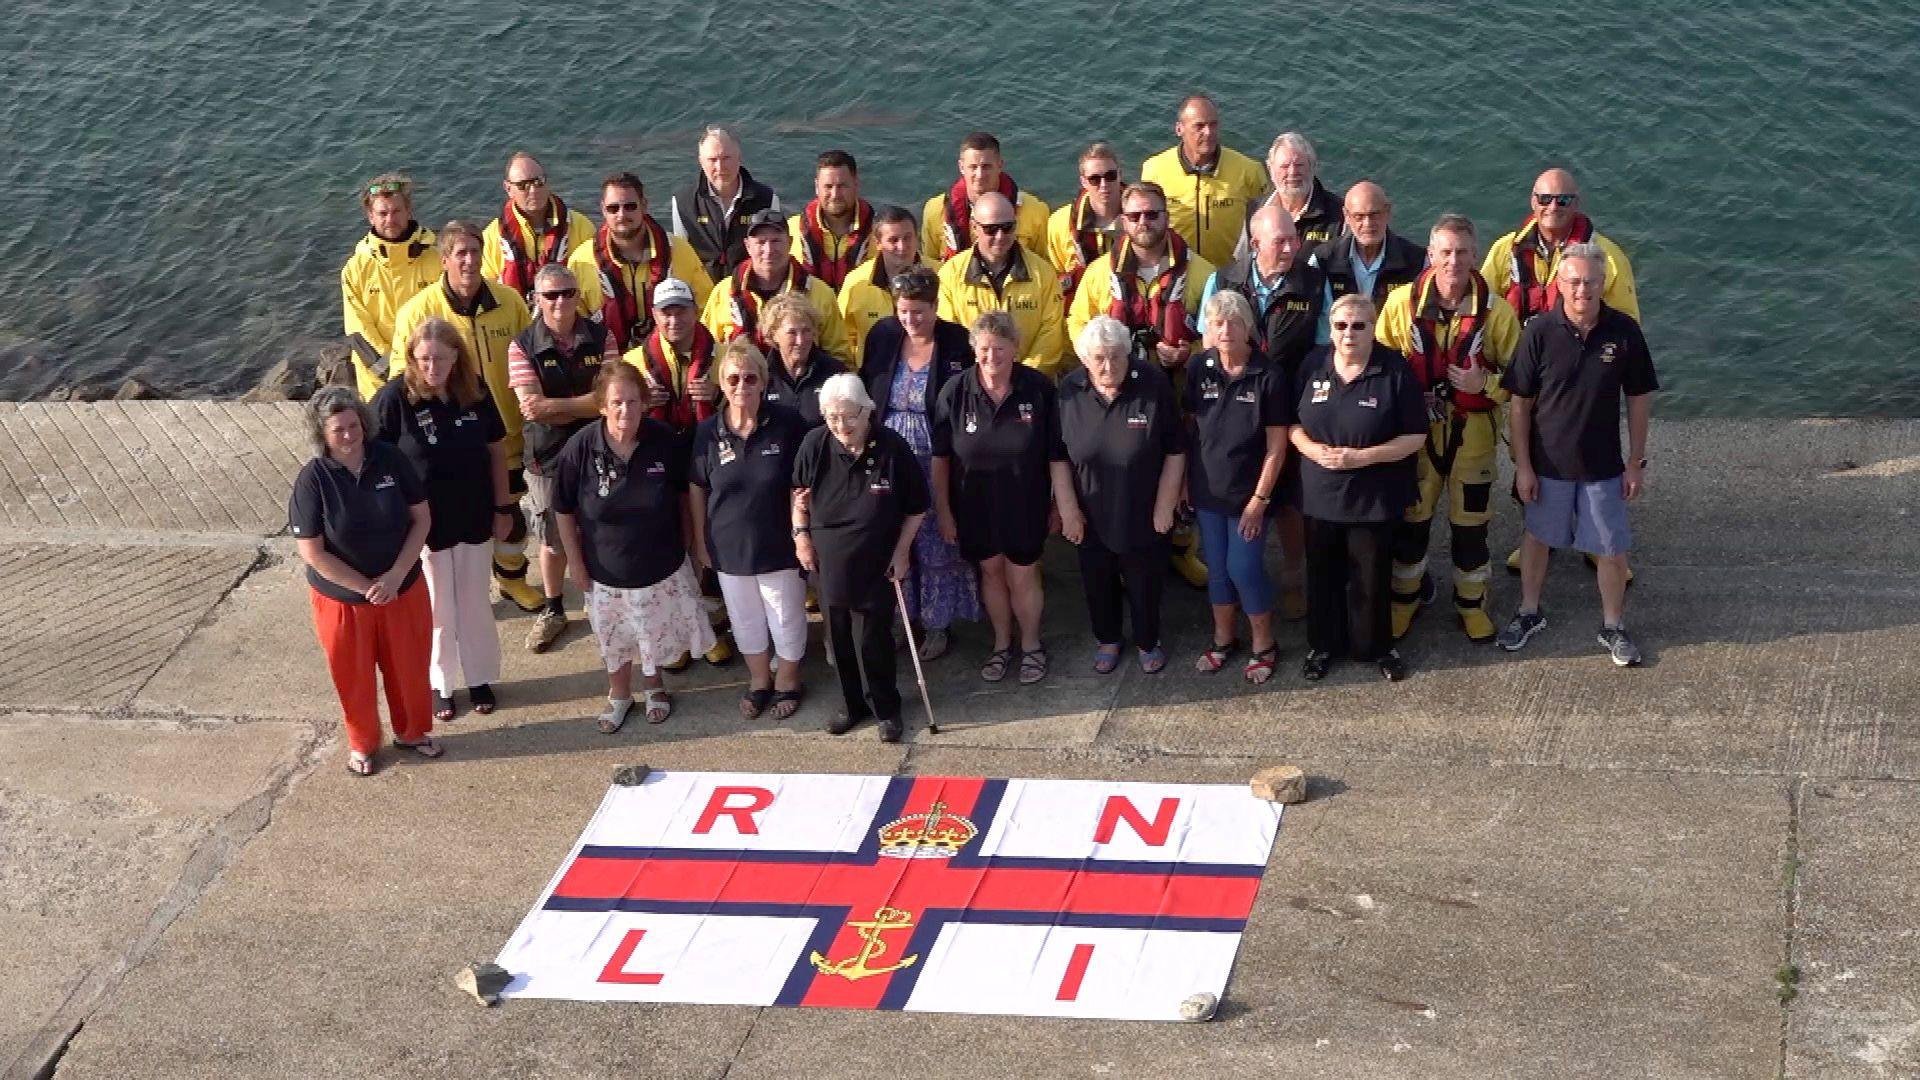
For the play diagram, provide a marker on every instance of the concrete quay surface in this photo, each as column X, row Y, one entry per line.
column 1510, row 866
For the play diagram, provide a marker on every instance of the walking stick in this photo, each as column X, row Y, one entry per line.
column 913, row 648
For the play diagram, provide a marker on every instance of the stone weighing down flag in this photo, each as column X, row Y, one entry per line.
column 929, row 893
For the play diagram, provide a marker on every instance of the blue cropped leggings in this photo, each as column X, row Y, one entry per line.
column 1236, row 567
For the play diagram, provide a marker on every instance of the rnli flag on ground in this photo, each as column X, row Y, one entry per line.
column 929, row 893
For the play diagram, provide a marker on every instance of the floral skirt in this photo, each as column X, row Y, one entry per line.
column 653, row 626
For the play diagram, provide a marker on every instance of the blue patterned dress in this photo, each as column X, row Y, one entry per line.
column 944, row 587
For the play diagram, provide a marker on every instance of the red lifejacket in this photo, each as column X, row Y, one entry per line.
column 814, row 246
column 682, row 412
column 956, row 233
column 626, row 316
column 746, row 302
column 1429, row 359
column 517, row 267
column 1089, row 243
column 1163, row 306
column 1527, row 294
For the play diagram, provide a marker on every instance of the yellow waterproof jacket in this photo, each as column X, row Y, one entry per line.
column 1063, row 249
column 684, row 264
column 377, row 280
column 1096, row 293
column 1394, row 329
column 1619, row 293
column 830, row 334
column 1031, row 296
column 493, row 251
column 1208, row 210
column 865, row 299
column 1029, row 227
column 489, row 326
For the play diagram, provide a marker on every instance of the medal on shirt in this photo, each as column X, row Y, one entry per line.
column 726, row 452
column 1026, row 413
column 1321, row 389
column 973, row 425
column 607, row 472
column 427, row 431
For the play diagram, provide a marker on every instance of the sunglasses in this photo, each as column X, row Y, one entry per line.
column 1141, row 215
column 1345, row 326
column 622, row 208
column 995, row 228
column 1111, row 176
column 394, row 187
column 1545, row 199
column 743, row 379
column 529, row 183
column 559, row 294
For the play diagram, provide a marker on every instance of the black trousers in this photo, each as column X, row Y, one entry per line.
column 863, row 646
column 1349, row 583
column 1133, row 579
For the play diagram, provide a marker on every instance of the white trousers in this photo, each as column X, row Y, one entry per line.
column 764, row 606
column 466, row 645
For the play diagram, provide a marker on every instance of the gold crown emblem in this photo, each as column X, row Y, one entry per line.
column 935, row 834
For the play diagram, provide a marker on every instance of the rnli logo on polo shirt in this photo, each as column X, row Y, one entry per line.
column 880, row 485
column 1369, row 403
column 772, row 450
column 1321, row 388
column 386, row 481
column 1138, row 420
column 658, row 468
column 773, row 395
column 1607, row 352
column 1246, row 397
column 1026, row 413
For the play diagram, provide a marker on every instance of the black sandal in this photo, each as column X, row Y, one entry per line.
column 482, row 697
column 754, row 702
column 1033, row 666
column 996, row 666
column 784, row 698
column 442, row 708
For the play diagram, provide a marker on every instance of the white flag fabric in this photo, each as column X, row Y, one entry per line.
column 929, row 893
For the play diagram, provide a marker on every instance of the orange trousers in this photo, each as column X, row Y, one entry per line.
column 397, row 640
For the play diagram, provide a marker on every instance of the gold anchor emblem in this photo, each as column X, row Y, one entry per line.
column 860, row 964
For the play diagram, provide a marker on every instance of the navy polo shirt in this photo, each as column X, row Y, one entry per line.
column 1231, row 416
column 1000, row 455
column 802, row 395
column 749, row 484
column 446, row 443
column 628, row 511
column 1117, row 450
column 859, row 504
column 363, row 519
column 1576, row 383
column 1381, row 404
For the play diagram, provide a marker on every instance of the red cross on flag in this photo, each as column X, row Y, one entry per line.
column 928, row 893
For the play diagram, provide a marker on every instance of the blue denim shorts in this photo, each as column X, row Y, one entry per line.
column 1590, row 517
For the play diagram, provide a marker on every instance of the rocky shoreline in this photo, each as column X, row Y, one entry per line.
column 291, row 379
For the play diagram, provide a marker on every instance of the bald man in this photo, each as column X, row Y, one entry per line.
column 1209, row 186
column 999, row 273
column 713, row 213
column 1523, row 266
column 1368, row 258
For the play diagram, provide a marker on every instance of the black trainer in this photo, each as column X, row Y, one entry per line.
column 1392, row 667
column 1314, row 667
column 1525, row 624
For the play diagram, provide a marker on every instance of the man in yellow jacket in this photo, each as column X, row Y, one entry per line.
column 946, row 222
column 867, row 295
column 833, row 233
column 619, row 268
column 396, row 259
column 488, row 315
column 1085, row 228
column 733, row 309
column 535, row 227
column 1458, row 335
column 998, row 273
column 1522, row 266
column 1210, row 187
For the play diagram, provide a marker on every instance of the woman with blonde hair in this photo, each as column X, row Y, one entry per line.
column 441, row 417
column 797, row 366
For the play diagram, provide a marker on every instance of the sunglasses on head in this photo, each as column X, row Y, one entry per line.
column 391, row 187
column 558, row 294
column 1111, row 176
column 1141, row 215
column 1355, row 325
column 529, row 183
column 743, row 378
column 1548, row 199
column 621, row 207
column 995, row 228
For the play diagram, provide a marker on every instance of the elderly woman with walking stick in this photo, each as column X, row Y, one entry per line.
column 858, row 498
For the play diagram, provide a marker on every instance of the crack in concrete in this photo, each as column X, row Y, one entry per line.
column 1790, row 886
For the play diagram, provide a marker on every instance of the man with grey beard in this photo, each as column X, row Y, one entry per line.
column 1294, row 170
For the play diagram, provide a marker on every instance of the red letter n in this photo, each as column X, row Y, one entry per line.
column 1119, row 808
column 721, row 803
